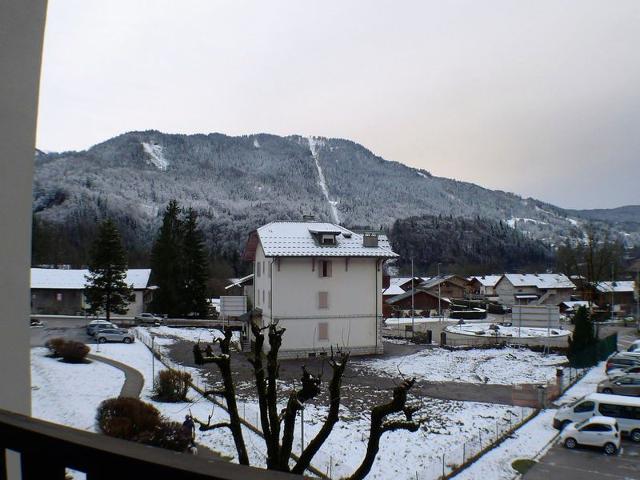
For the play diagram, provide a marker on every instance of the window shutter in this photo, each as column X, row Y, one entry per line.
column 323, row 331
column 323, row 300
column 328, row 268
column 258, row 269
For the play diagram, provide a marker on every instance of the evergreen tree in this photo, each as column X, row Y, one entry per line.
column 106, row 289
column 166, row 263
column 582, row 350
column 195, row 264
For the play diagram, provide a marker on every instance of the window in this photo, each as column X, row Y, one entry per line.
column 323, row 299
column 59, row 297
column 584, row 407
column 596, row 427
column 610, row 410
column 258, row 269
column 269, row 300
column 328, row 240
column 323, row 331
column 263, row 297
column 325, row 268
column 257, row 296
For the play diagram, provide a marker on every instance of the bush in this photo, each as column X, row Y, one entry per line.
column 72, row 351
column 54, row 345
column 127, row 418
column 172, row 386
column 169, row 435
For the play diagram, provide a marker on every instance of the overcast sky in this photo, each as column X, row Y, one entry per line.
column 541, row 98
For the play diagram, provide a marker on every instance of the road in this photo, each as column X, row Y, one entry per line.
column 584, row 464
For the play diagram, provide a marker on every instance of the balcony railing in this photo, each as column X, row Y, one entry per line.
column 46, row 449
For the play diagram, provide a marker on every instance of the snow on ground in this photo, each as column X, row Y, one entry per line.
column 138, row 356
column 534, row 438
column 313, row 147
column 483, row 330
column 514, row 220
column 394, row 322
column 525, row 442
column 495, row 365
column 69, row 394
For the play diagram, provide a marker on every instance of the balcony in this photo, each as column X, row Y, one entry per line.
column 46, row 449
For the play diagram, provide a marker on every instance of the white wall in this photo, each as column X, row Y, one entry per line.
column 21, row 34
column 352, row 300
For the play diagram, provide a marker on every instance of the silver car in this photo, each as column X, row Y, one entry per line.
column 627, row 385
column 114, row 335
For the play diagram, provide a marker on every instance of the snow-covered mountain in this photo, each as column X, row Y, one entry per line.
column 238, row 183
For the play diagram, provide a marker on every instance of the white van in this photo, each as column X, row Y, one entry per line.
column 626, row 410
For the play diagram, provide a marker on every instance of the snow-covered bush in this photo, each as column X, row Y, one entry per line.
column 171, row 386
column 54, row 344
column 127, row 418
column 72, row 351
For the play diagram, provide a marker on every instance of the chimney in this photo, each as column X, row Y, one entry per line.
column 308, row 218
column 370, row 240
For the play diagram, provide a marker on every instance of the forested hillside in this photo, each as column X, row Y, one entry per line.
column 239, row 183
column 466, row 246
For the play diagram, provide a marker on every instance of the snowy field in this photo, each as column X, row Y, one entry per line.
column 168, row 335
column 533, row 439
column 496, row 366
column 483, row 330
column 69, row 394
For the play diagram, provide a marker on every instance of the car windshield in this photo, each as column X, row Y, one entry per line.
column 580, row 424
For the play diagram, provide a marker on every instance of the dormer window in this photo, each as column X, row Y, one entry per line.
column 328, row 239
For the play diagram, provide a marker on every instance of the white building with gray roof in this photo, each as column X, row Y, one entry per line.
column 322, row 282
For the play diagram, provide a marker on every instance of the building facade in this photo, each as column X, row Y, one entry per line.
column 534, row 289
column 321, row 282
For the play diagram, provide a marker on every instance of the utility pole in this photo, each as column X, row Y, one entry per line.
column 612, row 289
column 413, row 321
column 439, row 304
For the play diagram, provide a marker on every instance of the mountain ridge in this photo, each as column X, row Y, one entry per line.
column 238, row 183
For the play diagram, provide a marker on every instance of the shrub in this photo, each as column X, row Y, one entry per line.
column 127, row 418
column 169, row 435
column 72, row 351
column 54, row 344
column 172, row 386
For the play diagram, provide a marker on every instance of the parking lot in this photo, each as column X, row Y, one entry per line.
column 583, row 464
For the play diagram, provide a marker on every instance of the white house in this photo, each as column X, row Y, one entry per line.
column 534, row 289
column 321, row 282
column 61, row 291
column 485, row 284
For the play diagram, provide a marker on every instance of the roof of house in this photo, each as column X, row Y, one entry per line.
column 418, row 290
column 575, row 303
column 296, row 239
column 487, row 280
column 539, row 280
column 616, row 286
column 393, row 290
column 434, row 281
column 236, row 282
column 61, row 279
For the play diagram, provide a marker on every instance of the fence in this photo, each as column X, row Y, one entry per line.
column 148, row 340
column 456, row 457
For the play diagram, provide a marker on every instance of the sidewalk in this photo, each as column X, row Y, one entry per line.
column 133, row 379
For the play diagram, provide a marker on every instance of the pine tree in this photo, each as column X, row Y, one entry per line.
column 582, row 351
column 195, row 264
column 166, row 263
column 106, row 290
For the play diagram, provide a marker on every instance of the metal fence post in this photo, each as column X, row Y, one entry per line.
column 443, row 474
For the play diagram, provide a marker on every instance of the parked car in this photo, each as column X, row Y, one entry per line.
column 627, row 385
column 622, row 360
column 621, row 372
column 114, row 335
column 595, row 431
column 149, row 318
column 626, row 410
column 96, row 324
column 634, row 347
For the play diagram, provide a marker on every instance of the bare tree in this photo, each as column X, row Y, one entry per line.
column 278, row 427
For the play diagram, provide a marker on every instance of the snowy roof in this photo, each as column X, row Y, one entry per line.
column 487, row 280
column 434, row 281
column 60, row 279
column 296, row 239
column 616, row 287
column 236, row 282
column 539, row 280
column 417, row 291
column 393, row 290
column 575, row 303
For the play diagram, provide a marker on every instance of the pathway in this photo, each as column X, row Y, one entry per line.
column 133, row 379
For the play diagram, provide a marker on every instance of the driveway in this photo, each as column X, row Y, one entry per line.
column 587, row 464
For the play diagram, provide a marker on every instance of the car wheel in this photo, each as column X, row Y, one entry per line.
column 102, row 340
column 570, row 443
column 610, row 449
column 127, row 340
column 607, row 390
column 635, row 435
